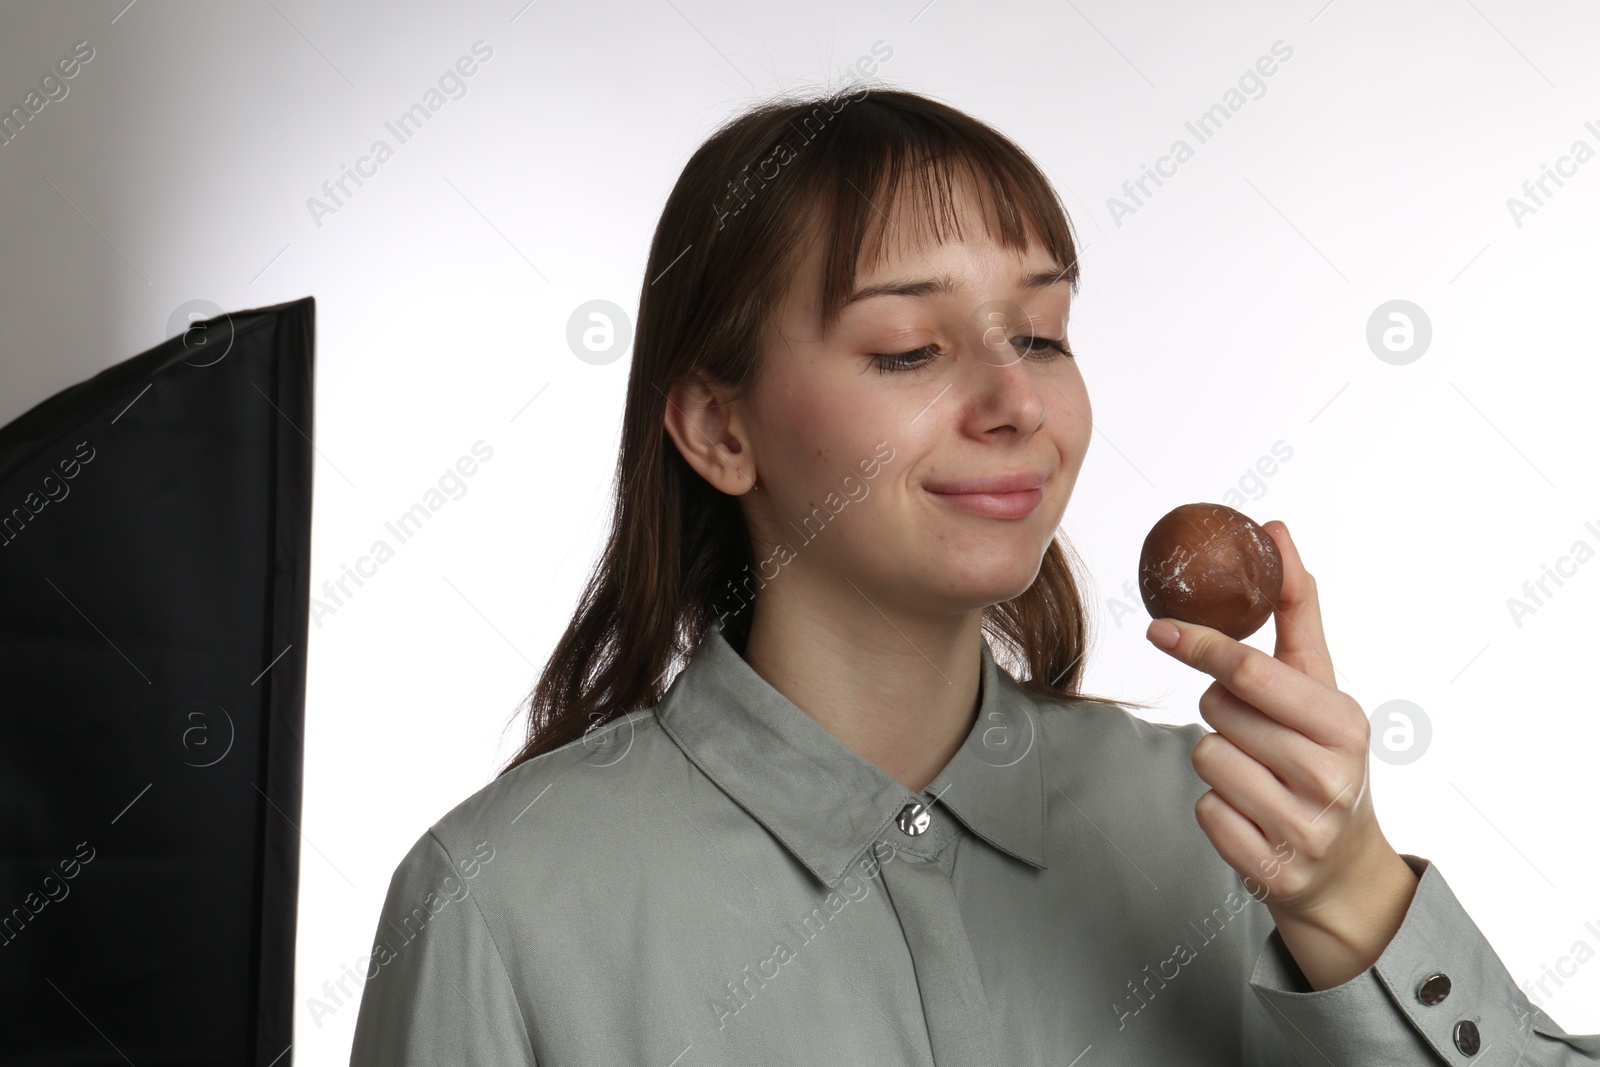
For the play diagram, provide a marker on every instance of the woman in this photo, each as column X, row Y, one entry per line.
column 872, row 819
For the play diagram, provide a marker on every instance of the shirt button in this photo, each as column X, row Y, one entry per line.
column 1467, row 1037
column 913, row 819
column 1434, row 988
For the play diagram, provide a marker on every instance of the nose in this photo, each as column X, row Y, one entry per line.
column 1002, row 390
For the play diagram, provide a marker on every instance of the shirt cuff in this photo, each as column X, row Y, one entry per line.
column 1383, row 1015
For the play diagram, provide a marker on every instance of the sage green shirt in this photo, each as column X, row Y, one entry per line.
column 720, row 881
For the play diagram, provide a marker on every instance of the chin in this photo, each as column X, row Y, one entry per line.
column 980, row 586
column 941, row 575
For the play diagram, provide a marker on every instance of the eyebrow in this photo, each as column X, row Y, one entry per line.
column 947, row 284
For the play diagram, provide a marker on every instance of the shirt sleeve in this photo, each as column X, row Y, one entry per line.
column 1438, row 994
column 436, row 988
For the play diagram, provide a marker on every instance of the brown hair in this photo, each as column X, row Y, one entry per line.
column 719, row 263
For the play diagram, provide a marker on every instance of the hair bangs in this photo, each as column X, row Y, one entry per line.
column 885, row 172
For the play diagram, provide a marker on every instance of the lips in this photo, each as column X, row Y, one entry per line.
column 996, row 496
column 1020, row 482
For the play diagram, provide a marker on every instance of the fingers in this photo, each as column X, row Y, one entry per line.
column 1237, row 840
column 1297, row 617
column 1293, row 758
column 1292, row 698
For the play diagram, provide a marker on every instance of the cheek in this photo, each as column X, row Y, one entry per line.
column 1070, row 410
column 802, row 425
column 812, row 429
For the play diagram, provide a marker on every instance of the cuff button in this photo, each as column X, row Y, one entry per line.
column 1434, row 988
column 1466, row 1035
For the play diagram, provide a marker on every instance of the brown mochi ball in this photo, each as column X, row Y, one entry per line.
column 1211, row 565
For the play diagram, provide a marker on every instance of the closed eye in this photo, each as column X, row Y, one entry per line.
column 1041, row 348
column 1048, row 344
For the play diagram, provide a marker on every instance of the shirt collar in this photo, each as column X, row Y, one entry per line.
column 821, row 799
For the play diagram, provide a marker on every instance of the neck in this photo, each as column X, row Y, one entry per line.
column 901, row 692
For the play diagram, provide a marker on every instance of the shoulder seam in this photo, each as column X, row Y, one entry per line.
column 521, row 1019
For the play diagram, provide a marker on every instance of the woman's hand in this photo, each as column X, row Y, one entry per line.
column 1288, row 770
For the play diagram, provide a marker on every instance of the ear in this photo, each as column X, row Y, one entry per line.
column 710, row 431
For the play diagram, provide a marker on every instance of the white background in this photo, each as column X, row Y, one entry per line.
column 1227, row 313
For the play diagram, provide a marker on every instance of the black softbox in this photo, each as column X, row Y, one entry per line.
column 155, row 527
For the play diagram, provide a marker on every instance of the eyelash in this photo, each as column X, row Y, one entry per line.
column 896, row 362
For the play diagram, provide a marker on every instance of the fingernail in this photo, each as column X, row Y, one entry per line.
column 1163, row 634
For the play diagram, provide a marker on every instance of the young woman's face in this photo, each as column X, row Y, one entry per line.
column 925, row 448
